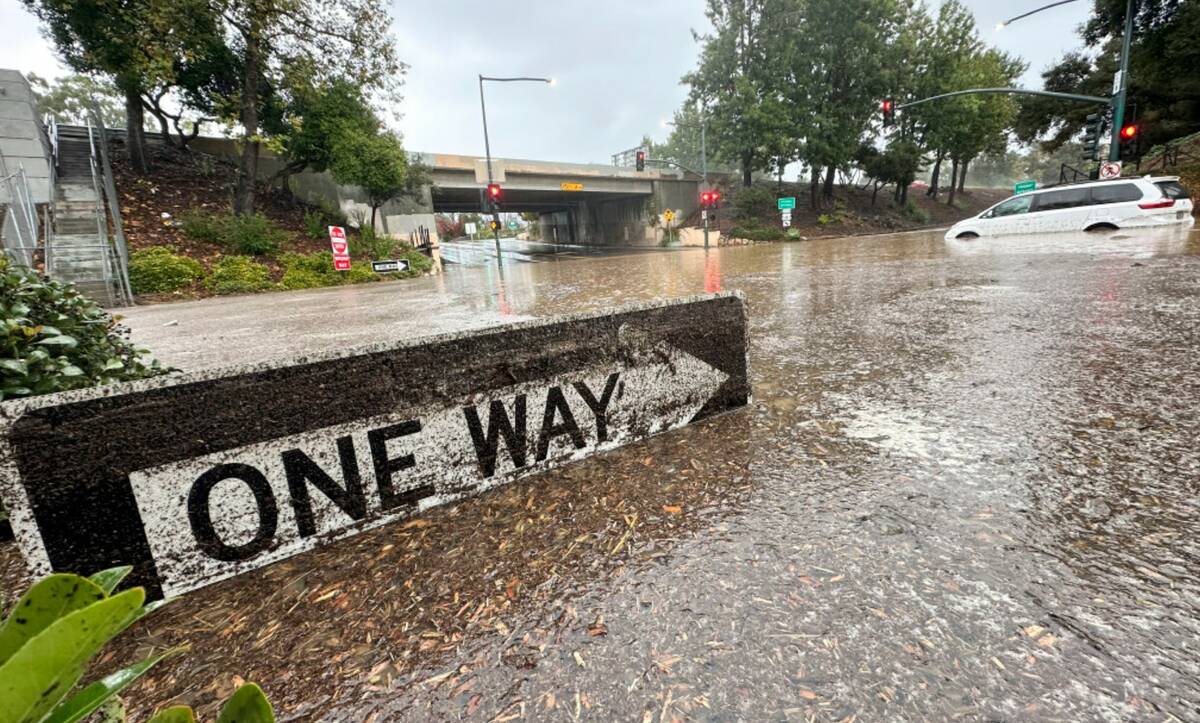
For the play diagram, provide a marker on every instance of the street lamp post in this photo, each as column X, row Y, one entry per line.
column 487, row 145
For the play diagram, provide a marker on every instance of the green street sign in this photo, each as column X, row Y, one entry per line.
column 786, row 203
column 1025, row 187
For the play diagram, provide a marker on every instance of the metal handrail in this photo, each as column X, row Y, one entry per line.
column 114, row 207
column 101, row 219
column 24, row 215
column 51, row 128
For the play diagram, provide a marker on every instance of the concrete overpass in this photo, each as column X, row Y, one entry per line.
column 577, row 202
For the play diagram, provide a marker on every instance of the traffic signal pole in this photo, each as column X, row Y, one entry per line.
column 1114, row 150
column 704, row 173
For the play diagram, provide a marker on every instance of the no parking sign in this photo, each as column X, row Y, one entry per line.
column 341, row 248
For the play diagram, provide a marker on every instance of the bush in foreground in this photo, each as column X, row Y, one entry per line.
column 254, row 235
column 238, row 275
column 158, row 270
column 56, row 339
column 58, row 626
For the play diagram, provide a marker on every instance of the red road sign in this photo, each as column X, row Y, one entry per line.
column 341, row 263
column 341, row 248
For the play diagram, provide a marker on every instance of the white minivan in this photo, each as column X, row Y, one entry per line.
column 1093, row 206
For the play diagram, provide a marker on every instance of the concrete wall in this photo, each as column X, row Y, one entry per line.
column 321, row 189
column 22, row 142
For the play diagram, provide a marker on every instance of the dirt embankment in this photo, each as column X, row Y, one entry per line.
column 753, row 214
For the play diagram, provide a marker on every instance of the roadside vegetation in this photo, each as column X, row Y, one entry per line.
column 782, row 84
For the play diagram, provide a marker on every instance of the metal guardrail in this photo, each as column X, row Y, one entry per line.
column 23, row 214
column 113, row 263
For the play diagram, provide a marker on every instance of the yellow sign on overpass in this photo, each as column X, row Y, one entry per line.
column 572, row 186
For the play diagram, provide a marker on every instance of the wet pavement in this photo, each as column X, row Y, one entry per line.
column 966, row 489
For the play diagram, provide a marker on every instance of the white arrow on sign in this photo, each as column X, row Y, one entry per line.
column 219, row 515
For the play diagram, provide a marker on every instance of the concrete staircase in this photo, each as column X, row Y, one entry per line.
column 80, row 251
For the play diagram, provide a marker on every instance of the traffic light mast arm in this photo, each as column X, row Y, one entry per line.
column 680, row 166
column 1010, row 91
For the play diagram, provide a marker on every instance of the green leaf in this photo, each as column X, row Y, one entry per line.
column 174, row 714
column 248, row 704
column 43, row 671
column 110, row 578
column 50, row 330
column 15, row 365
column 112, row 364
column 83, row 703
column 50, row 599
column 71, row 370
column 60, row 340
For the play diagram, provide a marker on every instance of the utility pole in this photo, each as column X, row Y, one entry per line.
column 1114, row 150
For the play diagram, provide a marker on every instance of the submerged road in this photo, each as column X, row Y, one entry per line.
column 967, row 488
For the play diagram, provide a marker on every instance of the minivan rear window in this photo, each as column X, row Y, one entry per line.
column 1057, row 200
column 1116, row 193
column 1173, row 189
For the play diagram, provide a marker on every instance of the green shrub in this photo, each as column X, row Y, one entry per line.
column 310, row 271
column 792, row 234
column 238, row 275
column 157, row 270
column 915, row 213
column 314, row 224
column 55, row 339
column 755, row 202
column 254, row 235
column 372, row 245
column 757, row 233
column 58, row 626
column 203, row 226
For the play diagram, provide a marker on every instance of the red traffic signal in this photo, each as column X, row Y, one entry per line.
column 493, row 191
column 889, row 111
column 1129, row 131
column 709, row 199
column 641, row 160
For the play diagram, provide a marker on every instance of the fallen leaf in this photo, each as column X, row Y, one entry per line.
column 808, row 695
column 1033, row 631
column 417, row 523
column 673, row 509
column 579, row 659
column 473, row 703
column 1047, row 640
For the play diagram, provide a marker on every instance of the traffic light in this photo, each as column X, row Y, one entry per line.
column 889, row 112
column 641, row 160
column 710, row 199
column 494, row 224
column 1129, row 140
column 494, row 194
column 1092, row 128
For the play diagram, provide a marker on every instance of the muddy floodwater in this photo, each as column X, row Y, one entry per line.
column 967, row 488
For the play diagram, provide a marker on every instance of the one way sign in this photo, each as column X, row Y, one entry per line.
column 204, row 477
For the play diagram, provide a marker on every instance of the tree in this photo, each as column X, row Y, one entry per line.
column 136, row 43
column 1165, row 96
column 376, row 163
column 315, row 120
column 70, row 98
column 300, row 44
column 733, row 85
column 839, row 64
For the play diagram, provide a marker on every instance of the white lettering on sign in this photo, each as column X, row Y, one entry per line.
column 222, row 514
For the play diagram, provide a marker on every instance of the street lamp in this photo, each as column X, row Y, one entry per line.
column 1120, row 83
column 487, row 145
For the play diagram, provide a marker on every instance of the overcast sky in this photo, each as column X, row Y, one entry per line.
column 617, row 66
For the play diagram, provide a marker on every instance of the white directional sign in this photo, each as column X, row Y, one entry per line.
column 221, row 514
column 203, row 476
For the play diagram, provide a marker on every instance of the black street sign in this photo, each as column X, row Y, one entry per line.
column 196, row 478
column 389, row 266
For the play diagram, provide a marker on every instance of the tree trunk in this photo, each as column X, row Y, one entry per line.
column 936, row 176
column 135, row 141
column 373, row 210
column 814, row 185
column 161, row 117
column 874, row 194
column 830, row 175
column 962, row 177
column 953, row 181
column 243, row 199
column 747, row 170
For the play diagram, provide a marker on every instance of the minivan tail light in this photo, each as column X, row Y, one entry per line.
column 1164, row 203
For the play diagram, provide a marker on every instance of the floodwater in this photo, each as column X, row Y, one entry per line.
column 967, row 488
